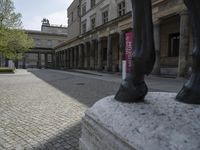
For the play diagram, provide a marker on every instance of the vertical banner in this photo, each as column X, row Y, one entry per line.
column 129, row 51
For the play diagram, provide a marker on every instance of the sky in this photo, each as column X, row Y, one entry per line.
column 33, row 11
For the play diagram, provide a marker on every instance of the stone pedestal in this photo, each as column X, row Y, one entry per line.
column 160, row 123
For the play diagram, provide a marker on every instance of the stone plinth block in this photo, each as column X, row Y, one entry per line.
column 160, row 123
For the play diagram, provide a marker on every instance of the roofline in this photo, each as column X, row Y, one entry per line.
column 44, row 33
column 52, row 26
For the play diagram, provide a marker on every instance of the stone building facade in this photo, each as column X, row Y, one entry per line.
column 103, row 27
column 173, row 37
column 42, row 54
column 74, row 19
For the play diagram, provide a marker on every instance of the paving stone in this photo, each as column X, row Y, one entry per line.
column 43, row 109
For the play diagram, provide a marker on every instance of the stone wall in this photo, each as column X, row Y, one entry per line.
column 168, row 26
column 73, row 13
column 54, row 29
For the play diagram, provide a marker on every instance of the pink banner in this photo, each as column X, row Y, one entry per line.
column 129, row 51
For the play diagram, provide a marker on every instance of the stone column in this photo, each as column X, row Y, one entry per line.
column 121, row 49
column 71, row 57
column 39, row 61
column 184, row 43
column 92, row 54
column 46, row 60
column 24, row 61
column 68, row 58
column 109, row 54
column 61, row 64
column 99, row 54
column 64, row 59
column 61, row 60
column 69, row 53
column 86, row 56
column 75, row 57
column 62, row 56
column 80, row 60
column 156, row 69
column 53, row 59
column 57, row 60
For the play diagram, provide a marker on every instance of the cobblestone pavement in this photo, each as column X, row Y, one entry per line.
column 42, row 109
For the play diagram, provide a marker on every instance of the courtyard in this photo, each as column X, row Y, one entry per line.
column 42, row 109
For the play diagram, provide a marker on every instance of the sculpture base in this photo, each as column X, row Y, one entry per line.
column 158, row 123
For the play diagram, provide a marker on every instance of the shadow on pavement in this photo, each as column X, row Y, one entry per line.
column 86, row 90
column 65, row 140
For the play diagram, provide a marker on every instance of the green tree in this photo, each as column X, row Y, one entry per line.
column 13, row 40
column 8, row 18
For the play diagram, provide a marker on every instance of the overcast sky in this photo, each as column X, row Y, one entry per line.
column 33, row 11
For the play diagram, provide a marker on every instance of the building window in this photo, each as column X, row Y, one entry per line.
column 105, row 16
column 93, row 23
column 38, row 42
column 174, row 45
column 93, row 3
column 49, row 43
column 49, row 57
column 72, row 17
column 121, row 8
column 83, row 9
column 79, row 11
column 84, row 27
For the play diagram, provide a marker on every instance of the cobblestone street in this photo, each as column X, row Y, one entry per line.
column 42, row 109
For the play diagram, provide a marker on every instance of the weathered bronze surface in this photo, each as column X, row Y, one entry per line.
column 190, row 93
column 133, row 88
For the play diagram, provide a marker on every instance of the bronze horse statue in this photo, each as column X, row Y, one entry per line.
column 134, row 88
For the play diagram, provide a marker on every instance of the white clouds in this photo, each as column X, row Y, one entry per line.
column 55, row 11
column 32, row 23
column 56, row 18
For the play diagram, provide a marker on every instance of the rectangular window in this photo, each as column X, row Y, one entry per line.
column 105, row 16
column 83, row 9
column 38, row 42
column 78, row 11
column 49, row 57
column 93, row 23
column 49, row 43
column 93, row 2
column 84, row 27
column 174, row 45
column 121, row 9
column 72, row 16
